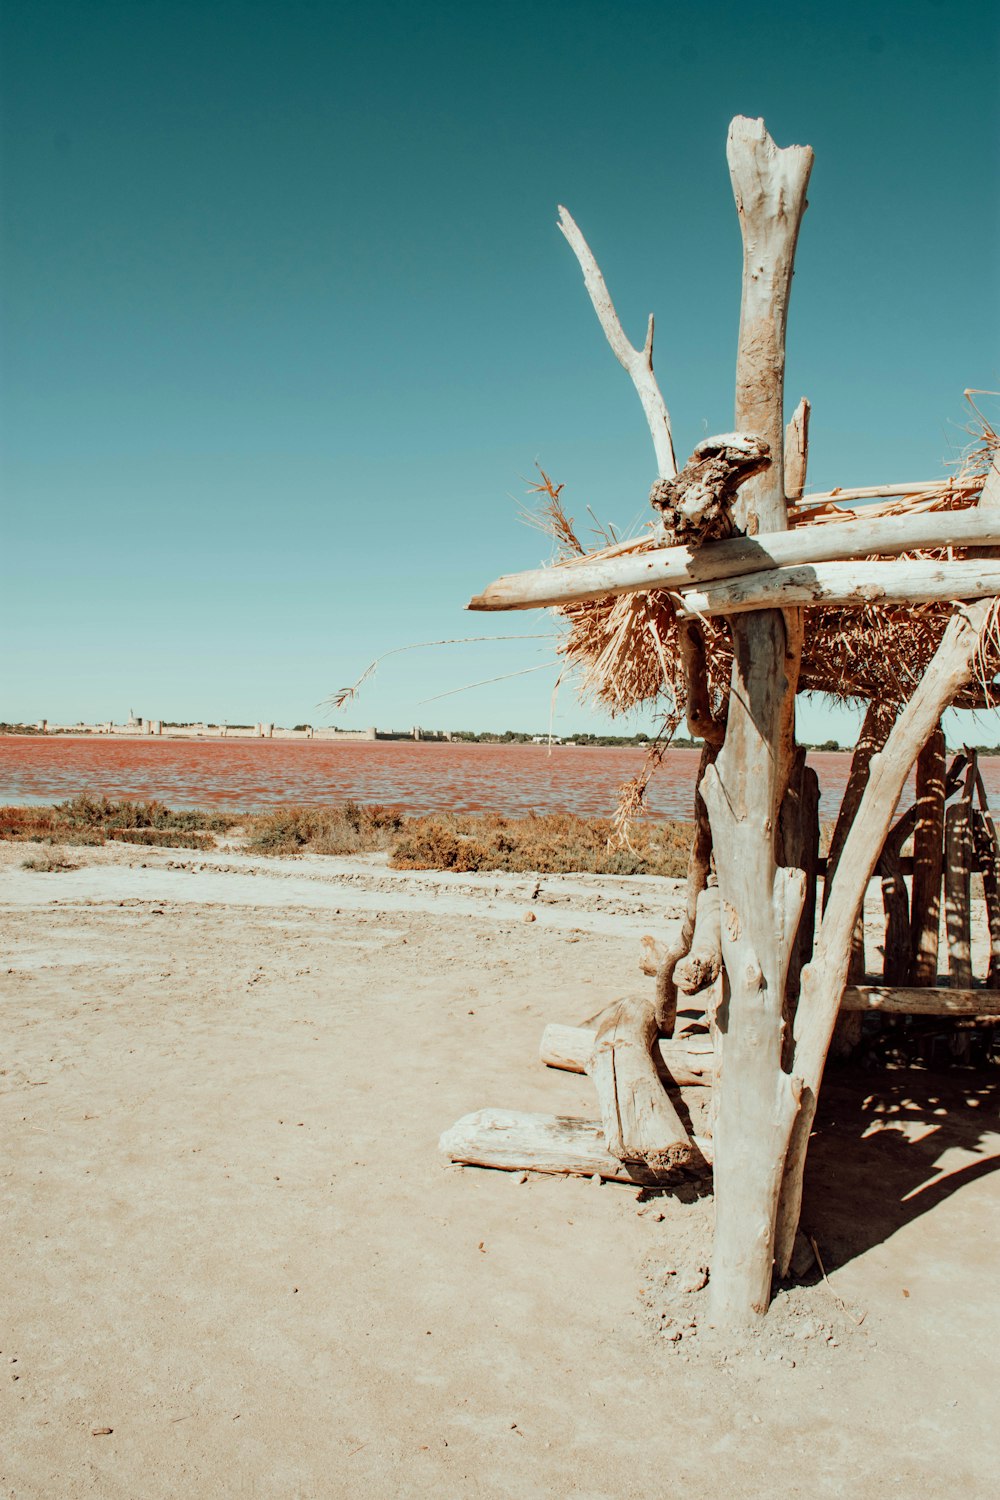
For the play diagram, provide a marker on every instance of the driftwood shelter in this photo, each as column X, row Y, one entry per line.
column 741, row 593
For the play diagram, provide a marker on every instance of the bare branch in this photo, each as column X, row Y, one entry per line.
column 637, row 362
column 797, row 451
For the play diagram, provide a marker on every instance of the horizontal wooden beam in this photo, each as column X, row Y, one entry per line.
column 676, row 568
column 889, row 491
column 932, row 1001
column 845, row 585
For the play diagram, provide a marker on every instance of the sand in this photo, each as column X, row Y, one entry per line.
column 230, row 1239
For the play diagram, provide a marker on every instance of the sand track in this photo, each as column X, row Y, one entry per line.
column 229, row 1237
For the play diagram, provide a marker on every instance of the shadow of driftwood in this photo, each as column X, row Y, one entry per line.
column 874, row 1163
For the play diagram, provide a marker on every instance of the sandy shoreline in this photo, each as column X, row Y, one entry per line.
column 230, row 1237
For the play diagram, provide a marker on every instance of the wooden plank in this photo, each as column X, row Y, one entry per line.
column 927, row 1000
column 514, row 1141
column 621, row 571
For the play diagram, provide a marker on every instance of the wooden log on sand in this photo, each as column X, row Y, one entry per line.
column 513, row 1141
column 640, row 1121
column 685, row 1062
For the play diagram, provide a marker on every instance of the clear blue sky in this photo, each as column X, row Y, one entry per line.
column 286, row 316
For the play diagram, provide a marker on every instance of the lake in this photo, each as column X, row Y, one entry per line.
column 416, row 777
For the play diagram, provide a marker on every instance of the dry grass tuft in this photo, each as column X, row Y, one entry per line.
column 351, row 829
column 552, row 844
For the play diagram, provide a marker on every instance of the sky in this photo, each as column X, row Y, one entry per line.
column 286, row 322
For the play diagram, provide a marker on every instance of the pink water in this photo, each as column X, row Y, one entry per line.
column 419, row 778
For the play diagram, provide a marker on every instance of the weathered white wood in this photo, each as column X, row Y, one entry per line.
column 640, row 1121
column 701, row 964
column 517, row 1142
column 762, row 902
column 797, row 451
column 824, row 980
column 638, row 363
column 678, row 567
column 687, row 1062
column 925, row 1000
column 846, row 585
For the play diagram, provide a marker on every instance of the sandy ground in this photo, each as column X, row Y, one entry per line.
column 230, row 1239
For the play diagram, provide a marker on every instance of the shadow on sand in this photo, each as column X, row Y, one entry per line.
column 875, row 1160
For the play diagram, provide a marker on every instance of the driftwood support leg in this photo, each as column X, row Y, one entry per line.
column 640, row 1122
column 987, row 849
column 877, row 723
column 824, row 980
column 928, row 855
column 897, row 917
column 958, row 892
column 699, row 867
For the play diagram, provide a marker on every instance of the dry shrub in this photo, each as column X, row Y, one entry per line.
column 49, row 864
column 553, row 844
column 43, row 825
column 164, row 838
column 350, row 829
column 92, row 820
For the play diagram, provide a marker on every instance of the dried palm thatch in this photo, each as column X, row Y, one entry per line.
column 627, row 647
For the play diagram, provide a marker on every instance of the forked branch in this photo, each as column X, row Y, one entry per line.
column 637, row 362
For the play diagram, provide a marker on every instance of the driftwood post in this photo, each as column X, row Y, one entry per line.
column 928, row 853
column 743, row 791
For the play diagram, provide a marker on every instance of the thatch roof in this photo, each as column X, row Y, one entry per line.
column 627, row 651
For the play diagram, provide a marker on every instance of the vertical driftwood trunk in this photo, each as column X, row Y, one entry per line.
column 958, row 892
column 985, row 841
column 928, row 853
column 799, row 850
column 896, row 959
column 877, row 723
column 761, row 901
